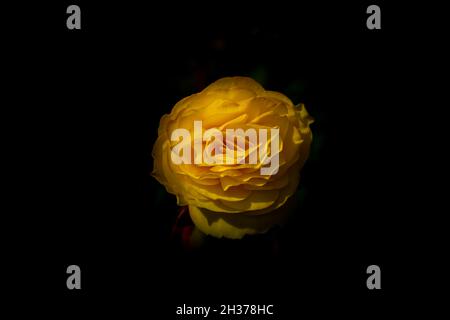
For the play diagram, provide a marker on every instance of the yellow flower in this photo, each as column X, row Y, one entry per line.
column 234, row 199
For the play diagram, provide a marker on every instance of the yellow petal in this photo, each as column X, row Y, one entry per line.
column 234, row 226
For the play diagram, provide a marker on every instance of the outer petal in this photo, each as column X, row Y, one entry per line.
column 233, row 226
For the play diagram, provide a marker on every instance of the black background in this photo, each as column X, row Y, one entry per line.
column 89, row 102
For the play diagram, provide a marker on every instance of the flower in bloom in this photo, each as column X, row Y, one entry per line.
column 234, row 198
